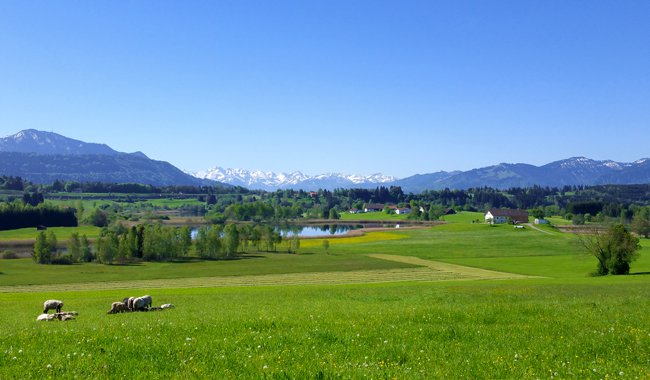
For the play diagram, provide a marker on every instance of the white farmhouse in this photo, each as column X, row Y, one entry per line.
column 373, row 207
column 503, row 215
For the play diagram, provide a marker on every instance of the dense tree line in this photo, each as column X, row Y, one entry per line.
column 135, row 188
column 13, row 183
column 17, row 214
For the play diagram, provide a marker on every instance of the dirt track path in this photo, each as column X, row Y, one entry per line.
column 538, row 229
column 431, row 271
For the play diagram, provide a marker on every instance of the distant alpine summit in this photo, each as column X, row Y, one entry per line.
column 271, row 181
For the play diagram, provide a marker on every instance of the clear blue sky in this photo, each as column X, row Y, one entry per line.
column 398, row 87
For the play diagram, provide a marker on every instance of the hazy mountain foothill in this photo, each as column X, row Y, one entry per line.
column 43, row 157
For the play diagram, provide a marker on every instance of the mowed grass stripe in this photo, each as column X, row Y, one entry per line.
column 428, row 271
column 471, row 272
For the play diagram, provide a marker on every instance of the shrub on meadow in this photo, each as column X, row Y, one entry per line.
column 9, row 255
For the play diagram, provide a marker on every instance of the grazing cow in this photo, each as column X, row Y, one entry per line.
column 52, row 305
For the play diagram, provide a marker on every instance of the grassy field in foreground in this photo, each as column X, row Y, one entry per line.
column 520, row 330
column 564, row 325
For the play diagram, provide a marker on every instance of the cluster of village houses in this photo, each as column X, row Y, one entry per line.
column 378, row 207
column 492, row 216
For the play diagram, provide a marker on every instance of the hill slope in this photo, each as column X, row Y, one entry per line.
column 42, row 157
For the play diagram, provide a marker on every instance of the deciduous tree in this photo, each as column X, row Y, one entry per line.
column 74, row 247
column 614, row 250
column 42, row 252
column 230, row 240
column 641, row 225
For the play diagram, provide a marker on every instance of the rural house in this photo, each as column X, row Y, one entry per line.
column 402, row 210
column 373, row 207
column 504, row 215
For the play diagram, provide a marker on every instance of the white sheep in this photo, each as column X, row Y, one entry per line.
column 118, row 307
column 52, row 305
column 64, row 316
column 129, row 303
column 166, row 306
column 46, row 317
column 142, row 303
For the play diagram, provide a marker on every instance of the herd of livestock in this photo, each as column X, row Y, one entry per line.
column 128, row 304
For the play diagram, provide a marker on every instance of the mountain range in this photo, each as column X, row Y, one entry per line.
column 271, row 181
column 42, row 157
column 571, row 171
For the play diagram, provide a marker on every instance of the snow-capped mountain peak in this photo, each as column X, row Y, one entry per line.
column 257, row 179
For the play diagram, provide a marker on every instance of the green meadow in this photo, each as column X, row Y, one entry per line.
column 62, row 233
column 460, row 300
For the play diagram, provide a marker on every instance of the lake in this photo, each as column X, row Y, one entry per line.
column 319, row 230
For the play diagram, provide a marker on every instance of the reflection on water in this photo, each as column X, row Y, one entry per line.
column 287, row 230
column 324, row 230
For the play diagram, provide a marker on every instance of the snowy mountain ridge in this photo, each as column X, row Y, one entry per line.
column 257, row 179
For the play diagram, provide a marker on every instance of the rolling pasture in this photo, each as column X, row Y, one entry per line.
column 460, row 300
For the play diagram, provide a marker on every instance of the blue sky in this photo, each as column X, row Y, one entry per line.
column 398, row 87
